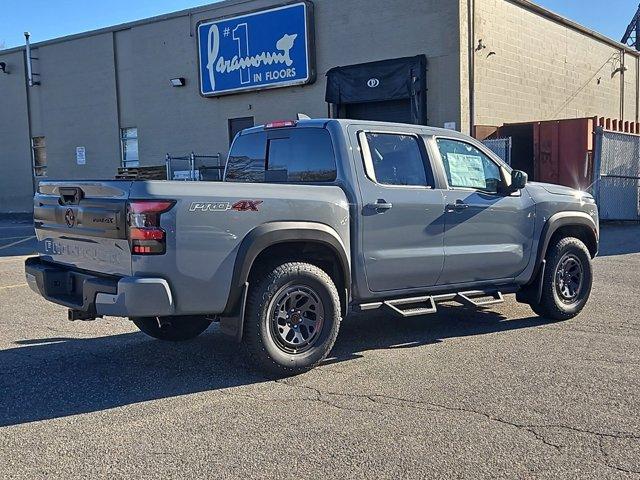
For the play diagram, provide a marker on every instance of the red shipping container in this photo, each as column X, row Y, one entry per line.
column 554, row 151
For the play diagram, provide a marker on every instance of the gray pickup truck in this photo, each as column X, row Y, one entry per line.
column 314, row 219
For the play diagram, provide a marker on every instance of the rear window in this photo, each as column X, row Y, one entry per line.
column 283, row 156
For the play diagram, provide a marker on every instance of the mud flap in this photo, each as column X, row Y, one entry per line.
column 532, row 293
column 234, row 325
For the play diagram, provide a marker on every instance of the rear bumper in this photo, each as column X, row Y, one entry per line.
column 100, row 295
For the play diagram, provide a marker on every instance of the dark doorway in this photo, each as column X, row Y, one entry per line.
column 522, row 153
column 236, row 125
column 389, row 90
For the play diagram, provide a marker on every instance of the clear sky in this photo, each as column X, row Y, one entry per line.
column 47, row 19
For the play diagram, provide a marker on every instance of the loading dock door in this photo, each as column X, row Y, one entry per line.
column 388, row 90
column 388, row 111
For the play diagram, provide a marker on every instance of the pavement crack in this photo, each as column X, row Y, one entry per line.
column 324, row 397
column 533, row 429
column 527, row 428
column 607, row 459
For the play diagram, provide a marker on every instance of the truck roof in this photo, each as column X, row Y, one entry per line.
column 323, row 122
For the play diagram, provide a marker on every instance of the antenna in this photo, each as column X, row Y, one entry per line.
column 632, row 35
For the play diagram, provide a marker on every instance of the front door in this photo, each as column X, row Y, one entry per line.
column 402, row 214
column 488, row 233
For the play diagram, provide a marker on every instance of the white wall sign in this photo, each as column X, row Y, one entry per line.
column 450, row 125
column 81, row 155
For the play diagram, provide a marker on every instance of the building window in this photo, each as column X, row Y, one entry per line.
column 129, row 141
column 236, row 125
column 39, row 157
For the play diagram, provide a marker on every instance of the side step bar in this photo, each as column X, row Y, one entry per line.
column 479, row 299
column 411, row 307
column 414, row 306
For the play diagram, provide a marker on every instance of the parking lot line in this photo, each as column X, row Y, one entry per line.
column 18, row 242
column 12, row 238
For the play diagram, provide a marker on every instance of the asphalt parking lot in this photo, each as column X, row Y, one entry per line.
column 463, row 393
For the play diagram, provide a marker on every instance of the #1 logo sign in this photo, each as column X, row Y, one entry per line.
column 264, row 49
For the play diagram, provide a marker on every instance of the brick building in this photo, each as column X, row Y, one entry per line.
column 132, row 93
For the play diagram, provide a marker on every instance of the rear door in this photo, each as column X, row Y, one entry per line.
column 83, row 225
column 488, row 233
column 401, row 217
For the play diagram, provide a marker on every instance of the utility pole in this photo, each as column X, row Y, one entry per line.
column 632, row 34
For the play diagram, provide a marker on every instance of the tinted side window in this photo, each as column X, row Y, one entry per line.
column 397, row 159
column 468, row 167
column 304, row 155
column 247, row 158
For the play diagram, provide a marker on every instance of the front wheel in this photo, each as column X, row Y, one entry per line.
column 293, row 318
column 567, row 281
column 172, row 329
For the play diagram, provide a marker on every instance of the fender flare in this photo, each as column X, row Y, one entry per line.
column 563, row 219
column 551, row 226
column 263, row 237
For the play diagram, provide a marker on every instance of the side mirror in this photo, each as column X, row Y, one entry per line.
column 518, row 180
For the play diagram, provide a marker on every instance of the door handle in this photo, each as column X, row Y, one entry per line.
column 380, row 206
column 459, row 206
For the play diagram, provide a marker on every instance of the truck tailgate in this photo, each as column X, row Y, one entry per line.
column 83, row 225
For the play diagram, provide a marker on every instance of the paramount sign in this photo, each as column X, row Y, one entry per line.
column 265, row 49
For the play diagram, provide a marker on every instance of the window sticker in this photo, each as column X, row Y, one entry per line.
column 466, row 171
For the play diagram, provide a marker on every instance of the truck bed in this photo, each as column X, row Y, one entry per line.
column 204, row 229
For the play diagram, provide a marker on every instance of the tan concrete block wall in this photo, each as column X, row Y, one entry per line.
column 534, row 68
column 16, row 185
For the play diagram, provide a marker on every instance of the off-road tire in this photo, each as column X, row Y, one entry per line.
column 178, row 330
column 261, row 339
column 551, row 305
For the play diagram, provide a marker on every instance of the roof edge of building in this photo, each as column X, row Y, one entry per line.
column 551, row 15
column 127, row 25
column 527, row 4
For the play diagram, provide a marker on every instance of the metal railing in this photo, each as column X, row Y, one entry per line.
column 194, row 167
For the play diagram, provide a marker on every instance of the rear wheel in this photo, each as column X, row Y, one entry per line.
column 567, row 281
column 173, row 329
column 292, row 320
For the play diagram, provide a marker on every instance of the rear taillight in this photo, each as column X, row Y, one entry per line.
column 146, row 237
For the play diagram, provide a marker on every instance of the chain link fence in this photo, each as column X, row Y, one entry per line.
column 617, row 163
column 501, row 147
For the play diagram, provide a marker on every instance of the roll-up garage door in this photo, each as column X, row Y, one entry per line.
column 389, row 90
